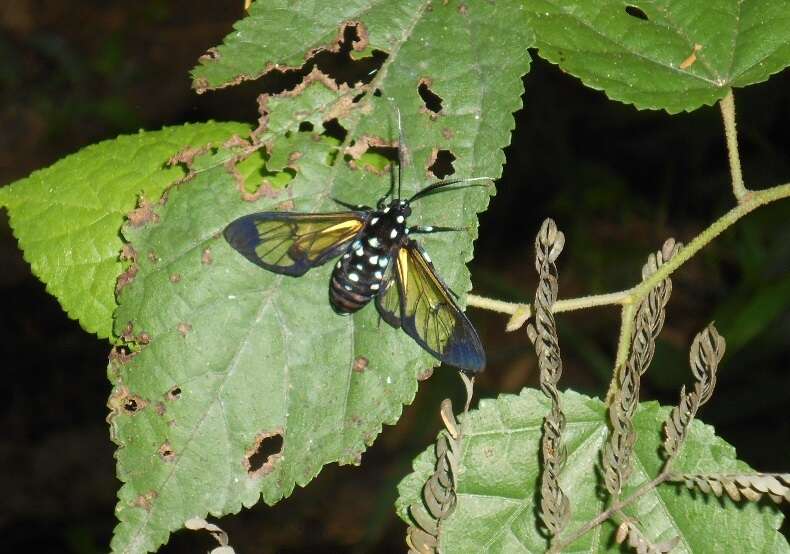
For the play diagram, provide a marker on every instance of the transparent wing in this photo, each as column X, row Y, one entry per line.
column 388, row 300
column 428, row 313
column 290, row 243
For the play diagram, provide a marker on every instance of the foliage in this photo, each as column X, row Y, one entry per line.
column 499, row 471
column 231, row 383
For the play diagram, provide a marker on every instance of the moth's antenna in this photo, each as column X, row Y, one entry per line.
column 401, row 151
column 435, row 187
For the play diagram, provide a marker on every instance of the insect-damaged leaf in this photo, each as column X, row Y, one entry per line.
column 674, row 55
column 257, row 357
column 67, row 216
column 499, row 472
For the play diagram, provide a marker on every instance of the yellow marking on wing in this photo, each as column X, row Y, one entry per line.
column 348, row 224
column 403, row 268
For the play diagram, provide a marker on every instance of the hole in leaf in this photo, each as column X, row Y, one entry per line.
column 338, row 64
column 265, row 452
column 442, row 164
column 174, row 393
column 377, row 159
column 358, row 97
column 377, row 92
column 305, row 127
column 433, row 102
column 633, row 11
column 334, row 129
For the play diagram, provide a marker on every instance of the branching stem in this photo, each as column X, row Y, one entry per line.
column 633, row 296
column 605, row 515
column 727, row 106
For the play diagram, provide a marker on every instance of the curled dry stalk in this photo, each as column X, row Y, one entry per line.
column 542, row 331
column 740, row 486
column 439, row 492
column 649, row 319
column 705, row 354
column 639, row 543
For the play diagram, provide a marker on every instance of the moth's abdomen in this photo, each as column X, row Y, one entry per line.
column 358, row 276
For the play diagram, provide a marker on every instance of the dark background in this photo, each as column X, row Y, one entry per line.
column 617, row 181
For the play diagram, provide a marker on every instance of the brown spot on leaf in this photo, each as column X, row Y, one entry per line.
column 145, row 501
column 206, row 258
column 166, row 452
column 128, row 252
column 187, row 155
column 142, row 214
column 120, row 355
column 121, row 400
column 184, row 328
column 463, row 9
column 286, row 206
column 160, row 408
column 266, row 451
column 128, row 332
column 143, row 338
column 152, row 257
column 425, row 374
column 688, row 62
column 294, row 157
column 125, row 278
column 448, row 133
column 211, row 54
column 360, row 364
column 175, row 278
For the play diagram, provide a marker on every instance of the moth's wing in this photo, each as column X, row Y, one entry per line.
column 429, row 314
column 290, row 243
column 388, row 300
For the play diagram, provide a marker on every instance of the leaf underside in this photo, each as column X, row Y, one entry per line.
column 251, row 354
column 499, row 474
column 675, row 55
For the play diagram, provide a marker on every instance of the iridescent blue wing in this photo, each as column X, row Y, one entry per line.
column 290, row 243
column 417, row 301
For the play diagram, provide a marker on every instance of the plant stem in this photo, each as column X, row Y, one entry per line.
column 567, row 305
column 633, row 296
column 603, row 516
column 727, row 105
column 754, row 200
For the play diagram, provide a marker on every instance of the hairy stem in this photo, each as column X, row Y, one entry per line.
column 727, row 106
column 567, row 305
column 633, row 296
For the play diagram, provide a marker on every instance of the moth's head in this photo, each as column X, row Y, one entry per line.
column 401, row 207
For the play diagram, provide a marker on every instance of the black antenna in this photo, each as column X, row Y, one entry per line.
column 433, row 187
column 401, row 151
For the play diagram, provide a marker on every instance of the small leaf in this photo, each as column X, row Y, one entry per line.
column 674, row 55
column 499, row 472
column 67, row 217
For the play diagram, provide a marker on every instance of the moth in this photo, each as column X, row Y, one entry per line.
column 379, row 259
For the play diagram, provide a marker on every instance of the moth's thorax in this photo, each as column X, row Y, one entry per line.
column 359, row 275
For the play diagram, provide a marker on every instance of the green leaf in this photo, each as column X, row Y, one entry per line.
column 252, row 353
column 648, row 61
column 67, row 217
column 499, row 473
